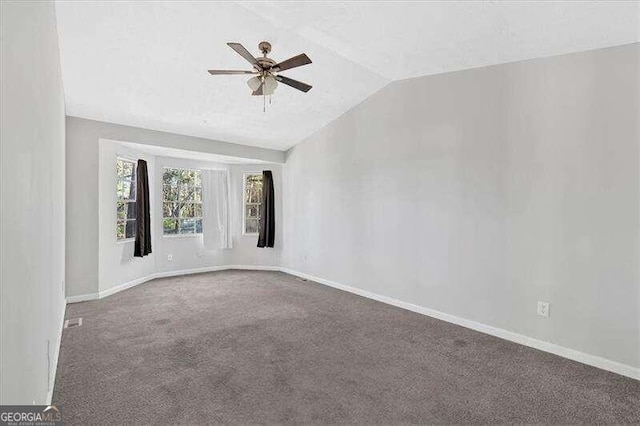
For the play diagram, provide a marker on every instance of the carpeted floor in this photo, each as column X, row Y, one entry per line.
column 266, row 347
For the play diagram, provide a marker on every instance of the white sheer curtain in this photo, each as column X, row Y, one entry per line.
column 216, row 209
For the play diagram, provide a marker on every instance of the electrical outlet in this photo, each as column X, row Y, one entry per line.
column 169, row 257
column 543, row 309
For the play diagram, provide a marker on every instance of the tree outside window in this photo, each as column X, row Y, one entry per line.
column 126, row 199
column 252, row 202
column 181, row 201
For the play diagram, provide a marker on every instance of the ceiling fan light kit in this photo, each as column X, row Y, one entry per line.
column 266, row 71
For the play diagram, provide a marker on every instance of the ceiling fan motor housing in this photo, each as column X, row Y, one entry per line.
column 266, row 63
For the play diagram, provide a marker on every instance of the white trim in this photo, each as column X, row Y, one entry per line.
column 54, row 364
column 126, row 240
column 572, row 354
column 118, row 288
column 82, row 297
column 256, row 267
column 199, row 234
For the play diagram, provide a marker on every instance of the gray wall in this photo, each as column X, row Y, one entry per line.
column 33, row 191
column 479, row 193
column 95, row 261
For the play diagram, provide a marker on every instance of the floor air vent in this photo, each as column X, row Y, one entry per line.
column 73, row 322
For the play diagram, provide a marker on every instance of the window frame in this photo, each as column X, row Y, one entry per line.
column 178, row 186
column 244, row 204
column 129, row 200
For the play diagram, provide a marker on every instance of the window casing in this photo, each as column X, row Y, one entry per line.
column 252, row 203
column 126, row 199
column 181, row 202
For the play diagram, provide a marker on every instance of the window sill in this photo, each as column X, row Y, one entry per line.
column 126, row 240
column 181, row 235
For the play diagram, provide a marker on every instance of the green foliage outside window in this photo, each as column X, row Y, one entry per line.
column 126, row 199
column 181, row 201
column 252, row 202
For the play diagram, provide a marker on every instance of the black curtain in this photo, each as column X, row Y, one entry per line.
column 143, row 218
column 267, row 233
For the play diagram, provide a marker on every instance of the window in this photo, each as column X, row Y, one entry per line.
column 126, row 199
column 181, row 202
column 252, row 202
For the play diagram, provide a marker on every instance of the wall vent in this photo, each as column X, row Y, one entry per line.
column 73, row 322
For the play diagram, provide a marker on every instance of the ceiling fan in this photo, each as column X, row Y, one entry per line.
column 266, row 70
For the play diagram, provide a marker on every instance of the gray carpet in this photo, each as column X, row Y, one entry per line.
column 266, row 347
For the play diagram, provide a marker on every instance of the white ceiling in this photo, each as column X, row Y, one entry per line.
column 144, row 63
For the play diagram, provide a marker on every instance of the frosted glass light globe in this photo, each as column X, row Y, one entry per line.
column 270, row 85
column 254, row 83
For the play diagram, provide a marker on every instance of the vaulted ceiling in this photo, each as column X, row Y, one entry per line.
column 144, row 63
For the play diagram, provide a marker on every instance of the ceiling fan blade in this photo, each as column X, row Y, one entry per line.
column 296, row 61
column 230, row 72
column 240, row 49
column 258, row 91
column 304, row 87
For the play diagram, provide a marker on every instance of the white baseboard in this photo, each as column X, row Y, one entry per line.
column 82, row 297
column 256, row 267
column 56, row 354
column 166, row 274
column 593, row 360
column 572, row 354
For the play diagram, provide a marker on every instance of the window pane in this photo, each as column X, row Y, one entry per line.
column 187, row 226
column 187, row 193
column 169, row 193
column 254, row 193
column 128, row 171
column 170, row 226
column 257, row 178
column 125, row 170
column 126, row 190
column 131, row 229
column 198, row 179
column 197, row 210
column 253, row 199
column 198, row 226
column 251, row 226
column 197, row 195
column 253, row 210
column 120, row 230
column 170, row 209
column 188, row 177
column 170, row 176
column 126, row 210
column 187, row 210
column 256, row 196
